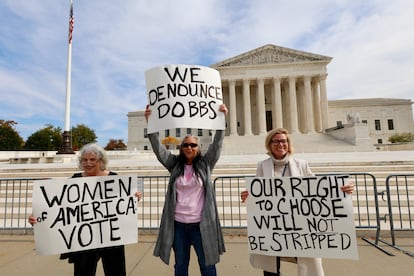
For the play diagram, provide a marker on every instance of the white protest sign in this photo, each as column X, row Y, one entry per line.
column 84, row 213
column 301, row 217
column 184, row 96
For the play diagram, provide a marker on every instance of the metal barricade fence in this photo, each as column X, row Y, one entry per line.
column 400, row 192
column 16, row 202
column 152, row 203
column 16, row 197
column 231, row 211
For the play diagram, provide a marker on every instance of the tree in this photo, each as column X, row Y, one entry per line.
column 48, row 138
column 82, row 135
column 9, row 137
column 114, row 144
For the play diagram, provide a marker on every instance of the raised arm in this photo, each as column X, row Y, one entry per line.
column 214, row 150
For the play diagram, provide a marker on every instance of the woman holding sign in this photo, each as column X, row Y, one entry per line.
column 281, row 163
column 190, row 214
column 93, row 162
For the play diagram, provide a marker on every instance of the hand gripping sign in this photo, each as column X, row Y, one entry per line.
column 184, row 96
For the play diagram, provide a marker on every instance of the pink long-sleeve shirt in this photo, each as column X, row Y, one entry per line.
column 190, row 197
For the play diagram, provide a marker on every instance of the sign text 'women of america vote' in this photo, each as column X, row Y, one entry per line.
column 84, row 213
column 301, row 217
column 184, row 96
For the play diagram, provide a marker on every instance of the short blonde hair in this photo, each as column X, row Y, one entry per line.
column 273, row 132
column 96, row 149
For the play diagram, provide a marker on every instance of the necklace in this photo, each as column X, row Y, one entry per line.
column 284, row 169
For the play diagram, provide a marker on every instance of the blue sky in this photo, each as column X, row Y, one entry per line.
column 115, row 42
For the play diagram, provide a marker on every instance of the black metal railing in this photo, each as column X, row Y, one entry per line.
column 15, row 202
column 395, row 209
column 400, row 192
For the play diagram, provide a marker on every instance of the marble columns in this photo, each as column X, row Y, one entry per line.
column 259, row 104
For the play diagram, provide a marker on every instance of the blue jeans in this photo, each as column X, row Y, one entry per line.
column 185, row 235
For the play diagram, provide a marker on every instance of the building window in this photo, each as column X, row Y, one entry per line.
column 377, row 125
column 210, row 133
column 379, row 141
column 390, row 124
column 188, row 130
column 145, row 132
column 339, row 124
column 364, row 122
column 200, row 132
column 167, row 132
column 178, row 132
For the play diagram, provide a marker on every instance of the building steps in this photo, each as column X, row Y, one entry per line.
column 230, row 207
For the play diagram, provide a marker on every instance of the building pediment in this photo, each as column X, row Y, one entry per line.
column 271, row 54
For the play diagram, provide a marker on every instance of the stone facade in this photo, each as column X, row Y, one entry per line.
column 271, row 87
column 383, row 117
column 275, row 87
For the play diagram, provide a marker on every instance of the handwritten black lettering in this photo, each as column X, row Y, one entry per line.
column 294, row 214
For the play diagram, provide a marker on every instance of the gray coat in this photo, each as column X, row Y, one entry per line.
column 210, row 228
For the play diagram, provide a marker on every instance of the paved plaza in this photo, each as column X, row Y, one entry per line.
column 18, row 257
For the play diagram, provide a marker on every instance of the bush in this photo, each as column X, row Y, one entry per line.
column 170, row 141
column 405, row 137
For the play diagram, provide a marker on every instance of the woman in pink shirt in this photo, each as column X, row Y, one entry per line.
column 190, row 216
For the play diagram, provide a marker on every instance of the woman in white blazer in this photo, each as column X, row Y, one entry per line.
column 281, row 163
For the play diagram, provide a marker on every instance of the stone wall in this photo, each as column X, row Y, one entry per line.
column 395, row 147
column 357, row 134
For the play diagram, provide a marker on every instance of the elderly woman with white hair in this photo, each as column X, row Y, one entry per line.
column 93, row 161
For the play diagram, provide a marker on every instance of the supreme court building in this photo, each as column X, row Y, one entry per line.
column 271, row 87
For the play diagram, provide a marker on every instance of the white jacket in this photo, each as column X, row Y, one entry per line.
column 306, row 266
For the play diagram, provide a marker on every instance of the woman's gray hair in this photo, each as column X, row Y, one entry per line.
column 99, row 152
column 192, row 136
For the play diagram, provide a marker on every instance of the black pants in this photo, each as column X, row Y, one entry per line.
column 266, row 273
column 113, row 261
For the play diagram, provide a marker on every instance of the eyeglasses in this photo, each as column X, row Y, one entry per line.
column 91, row 161
column 281, row 141
column 193, row 145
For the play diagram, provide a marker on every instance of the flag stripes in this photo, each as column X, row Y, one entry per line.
column 71, row 21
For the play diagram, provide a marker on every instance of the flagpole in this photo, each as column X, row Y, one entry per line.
column 66, row 147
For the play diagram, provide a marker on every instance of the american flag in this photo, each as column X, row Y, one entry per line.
column 70, row 23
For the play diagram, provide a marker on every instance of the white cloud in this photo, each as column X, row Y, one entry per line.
column 114, row 43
